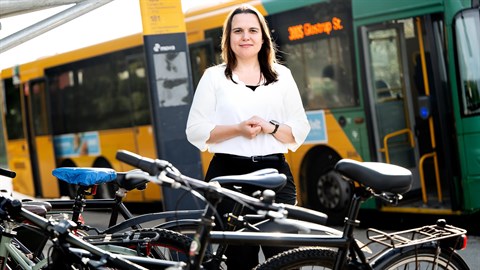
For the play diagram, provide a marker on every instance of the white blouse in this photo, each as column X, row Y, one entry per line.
column 219, row 101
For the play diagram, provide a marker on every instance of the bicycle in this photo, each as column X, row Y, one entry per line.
column 67, row 252
column 152, row 242
column 432, row 245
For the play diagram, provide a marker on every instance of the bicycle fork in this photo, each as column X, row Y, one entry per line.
column 202, row 235
column 4, row 241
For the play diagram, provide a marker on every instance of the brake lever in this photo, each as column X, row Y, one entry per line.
column 389, row 198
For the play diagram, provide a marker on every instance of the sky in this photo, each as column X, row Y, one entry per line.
column 116, row 19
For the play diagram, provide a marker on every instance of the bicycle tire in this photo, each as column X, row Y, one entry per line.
column 424, row 257
column 169, row 245
column 186, row 226
column 311, row 257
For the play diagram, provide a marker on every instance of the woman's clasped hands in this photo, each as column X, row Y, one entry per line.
column 250, row 128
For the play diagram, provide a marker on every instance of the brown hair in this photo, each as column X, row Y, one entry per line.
column 266, row 55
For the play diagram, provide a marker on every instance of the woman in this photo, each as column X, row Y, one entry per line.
column 248, row 112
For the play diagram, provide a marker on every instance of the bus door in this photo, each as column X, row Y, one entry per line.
column 389, row 97
column 406, row 80
column 17, row 147
column 40, row 141
column 28, row 157
column 408, row 93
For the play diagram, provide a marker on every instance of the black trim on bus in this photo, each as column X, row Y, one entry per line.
column 30, row 135
column 443, row 110
column 367, row 108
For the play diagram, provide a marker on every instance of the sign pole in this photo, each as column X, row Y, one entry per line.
column 171, row 90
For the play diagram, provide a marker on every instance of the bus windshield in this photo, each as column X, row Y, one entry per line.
column 467, row 27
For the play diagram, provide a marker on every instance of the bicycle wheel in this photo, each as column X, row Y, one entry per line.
column 419, row 258
column 152, row 242
column 184, row 226
column 301, row 258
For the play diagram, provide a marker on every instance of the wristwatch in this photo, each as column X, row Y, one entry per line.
column 276, row 124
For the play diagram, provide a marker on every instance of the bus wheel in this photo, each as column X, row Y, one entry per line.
column 67, row 189
column 328, row 192
column 106, row 190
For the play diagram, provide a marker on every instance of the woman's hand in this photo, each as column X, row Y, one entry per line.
column 265, row 126
column 251, row 128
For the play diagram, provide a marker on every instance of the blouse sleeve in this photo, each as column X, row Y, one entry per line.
column 295, row 112
column 200, row 119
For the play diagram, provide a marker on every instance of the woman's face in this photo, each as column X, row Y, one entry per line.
column 246, row 36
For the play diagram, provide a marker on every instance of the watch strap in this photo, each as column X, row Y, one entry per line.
column 276, row 124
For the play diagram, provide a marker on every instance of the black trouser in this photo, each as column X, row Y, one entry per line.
column 246, row 257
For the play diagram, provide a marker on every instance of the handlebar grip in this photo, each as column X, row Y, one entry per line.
column 7, row 173
column 145, row 164
column 9, row 207
column 306, row 214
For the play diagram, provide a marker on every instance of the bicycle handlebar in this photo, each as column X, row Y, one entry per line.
column 153, row 167
column 7, row 173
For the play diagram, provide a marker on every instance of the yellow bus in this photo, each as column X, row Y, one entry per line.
column 381, row 80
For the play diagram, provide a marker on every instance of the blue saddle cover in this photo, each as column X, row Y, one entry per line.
column 85, row 176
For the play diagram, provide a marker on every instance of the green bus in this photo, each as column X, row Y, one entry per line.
column 381, row 80
column 418, row 64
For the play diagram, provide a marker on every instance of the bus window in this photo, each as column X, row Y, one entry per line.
column 323, row 84
column 39, row 108
column 386, row 64
column 315, row 43
column 467, row 27
column 13, row 111
column 3, row 150
column 96, row 88
column 134, row 80
column 201, row 57
column 215, row 35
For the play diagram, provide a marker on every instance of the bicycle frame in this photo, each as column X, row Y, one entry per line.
column 117, row 207
column 8, row 249
column 62, row 233
column 344, row 241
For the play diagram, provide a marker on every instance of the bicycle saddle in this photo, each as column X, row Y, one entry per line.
column 131, row 183
column 28, row 202
column 265, row 179
column 381, row 177
column 85, row 176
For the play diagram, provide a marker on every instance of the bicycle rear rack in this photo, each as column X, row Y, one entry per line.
column 414, row 236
